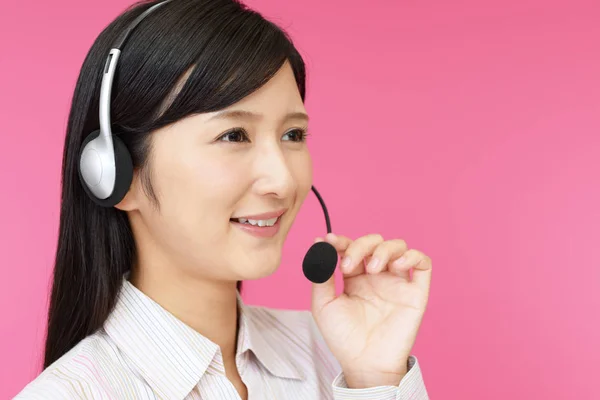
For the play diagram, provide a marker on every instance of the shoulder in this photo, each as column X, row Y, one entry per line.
column 80, row 373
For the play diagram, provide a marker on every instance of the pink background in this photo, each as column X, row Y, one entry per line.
column 469, row 128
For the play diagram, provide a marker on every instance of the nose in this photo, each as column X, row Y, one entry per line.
column 273, row 172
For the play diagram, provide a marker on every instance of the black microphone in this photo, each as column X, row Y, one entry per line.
column 321, row 259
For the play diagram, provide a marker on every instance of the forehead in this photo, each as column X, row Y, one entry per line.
column 280, row 95
column 274, row 103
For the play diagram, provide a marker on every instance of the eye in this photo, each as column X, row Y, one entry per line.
column 296, row 135
column 237, row 135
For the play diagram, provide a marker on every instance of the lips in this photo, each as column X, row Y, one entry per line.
column 265, row 225
column 263, row 216
column 259, row 228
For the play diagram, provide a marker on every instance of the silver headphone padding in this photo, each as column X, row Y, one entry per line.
column 97, row 165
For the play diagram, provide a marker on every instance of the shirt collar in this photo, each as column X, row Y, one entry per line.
column 270, row 340
column 172, row 357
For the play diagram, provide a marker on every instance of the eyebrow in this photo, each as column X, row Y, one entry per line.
column 245, row 114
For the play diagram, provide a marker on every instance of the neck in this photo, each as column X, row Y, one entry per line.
column 209, row 307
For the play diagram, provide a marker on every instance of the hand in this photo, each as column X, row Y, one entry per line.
column 371, row 327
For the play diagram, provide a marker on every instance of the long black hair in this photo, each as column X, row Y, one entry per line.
column 189, row 56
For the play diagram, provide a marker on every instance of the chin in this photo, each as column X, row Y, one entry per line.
column 257, row 270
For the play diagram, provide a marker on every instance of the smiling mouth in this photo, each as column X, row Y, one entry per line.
column 257, row 222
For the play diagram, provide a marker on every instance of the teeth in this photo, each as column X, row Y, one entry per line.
column 259, row 222
column 272, row 221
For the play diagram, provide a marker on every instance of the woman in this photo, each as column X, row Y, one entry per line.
column 208, row 100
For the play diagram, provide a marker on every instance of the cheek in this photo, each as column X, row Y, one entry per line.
column 203, row 190
column 302, row 169
column 196, row 199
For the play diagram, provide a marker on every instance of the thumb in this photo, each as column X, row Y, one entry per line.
column 322, row 293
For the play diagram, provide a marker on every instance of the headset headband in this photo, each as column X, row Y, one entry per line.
column 109, row 73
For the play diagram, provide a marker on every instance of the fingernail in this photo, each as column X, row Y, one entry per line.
column 346, row 262
column 373, row 264
column 318, row 240
column 330, row 236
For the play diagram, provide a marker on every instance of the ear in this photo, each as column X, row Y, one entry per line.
column 131, row 200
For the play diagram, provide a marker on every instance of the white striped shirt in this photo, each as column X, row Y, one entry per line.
column 144, row 352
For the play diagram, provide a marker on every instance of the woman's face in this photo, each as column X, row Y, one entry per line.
column 246, row 160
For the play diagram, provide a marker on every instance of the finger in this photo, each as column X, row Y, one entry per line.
column 386, row 251
column 340, row 242
column 353, row 260
column 323, row 293
column 419, row 263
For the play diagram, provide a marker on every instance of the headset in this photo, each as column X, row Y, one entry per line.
column 106, row 167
